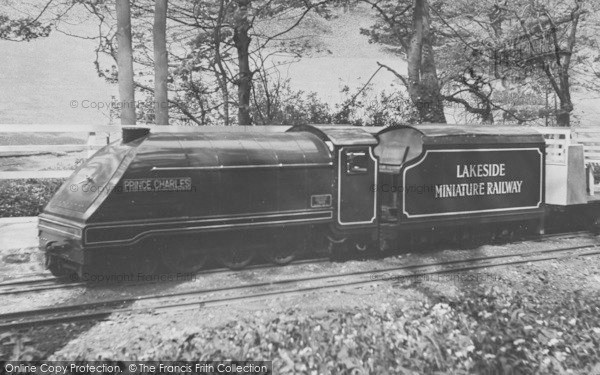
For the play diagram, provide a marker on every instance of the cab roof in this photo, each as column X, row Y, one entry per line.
column 339, row 135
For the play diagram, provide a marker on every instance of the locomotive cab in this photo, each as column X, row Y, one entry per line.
column 355, row 194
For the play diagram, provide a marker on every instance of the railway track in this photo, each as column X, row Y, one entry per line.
column 249, row 292
column 44, row 281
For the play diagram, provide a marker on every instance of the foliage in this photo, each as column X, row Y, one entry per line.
column 23, row 29
column 483, row 330
column 364, row 108
column 523, row 333
column 275, row 103
column 483, row 48
column 26, row 197
column 204, row 49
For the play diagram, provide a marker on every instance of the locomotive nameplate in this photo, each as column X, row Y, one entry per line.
column 468, row 181
column 320, row 201
column 157, row 184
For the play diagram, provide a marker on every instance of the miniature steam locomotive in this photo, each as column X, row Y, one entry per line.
column 181, row 199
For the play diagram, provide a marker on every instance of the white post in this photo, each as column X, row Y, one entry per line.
column 91, row 142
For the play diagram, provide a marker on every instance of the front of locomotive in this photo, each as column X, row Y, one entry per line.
column 61, row 224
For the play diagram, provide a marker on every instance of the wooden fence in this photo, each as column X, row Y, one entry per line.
column 96, row 136
column 93, row 137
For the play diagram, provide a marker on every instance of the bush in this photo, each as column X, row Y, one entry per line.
column 26, row 197
column 484, row 331
column 366, row 108
column 277, row 104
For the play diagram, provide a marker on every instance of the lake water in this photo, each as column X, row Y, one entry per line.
column 50, row 80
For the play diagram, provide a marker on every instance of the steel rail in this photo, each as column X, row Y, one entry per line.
column 53, row 282
column 102, row 309
column 37, row 285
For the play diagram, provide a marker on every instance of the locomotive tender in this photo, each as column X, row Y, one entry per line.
column 182, row 198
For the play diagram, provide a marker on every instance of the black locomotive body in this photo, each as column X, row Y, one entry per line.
column 183, row 197
column 181, row 193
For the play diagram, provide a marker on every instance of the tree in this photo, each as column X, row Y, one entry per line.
column 125, row 63
column 495, row 55
column 212, row 50
column 423, row 85
column 23, row 29
column 242, row 40
column 406, row 25
column 527, row 45
column 557, row 68
column 161, row 61
column 218, row 46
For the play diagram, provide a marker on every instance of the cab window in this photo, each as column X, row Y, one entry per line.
column 357, row 162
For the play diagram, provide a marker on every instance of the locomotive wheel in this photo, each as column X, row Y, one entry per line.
column 235, row 257
column 286, row 250
column 280, row 255
column 183, row 260
column 361, row 246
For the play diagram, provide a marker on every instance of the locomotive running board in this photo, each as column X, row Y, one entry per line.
column 127, row 233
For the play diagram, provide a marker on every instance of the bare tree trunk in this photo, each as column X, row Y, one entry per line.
column 557, row 70
column 125, row 63
column 221, row 73
column 161, row 64
column 563, row 117
column 242, row 45
column 423, row 84
column 563, row 91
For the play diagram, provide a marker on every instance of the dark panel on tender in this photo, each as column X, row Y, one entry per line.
column 445, row 182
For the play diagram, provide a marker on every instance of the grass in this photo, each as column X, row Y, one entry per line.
column 26, row 197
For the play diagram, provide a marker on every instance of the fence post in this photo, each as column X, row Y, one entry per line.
column 91, row 141
column 590, row 179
